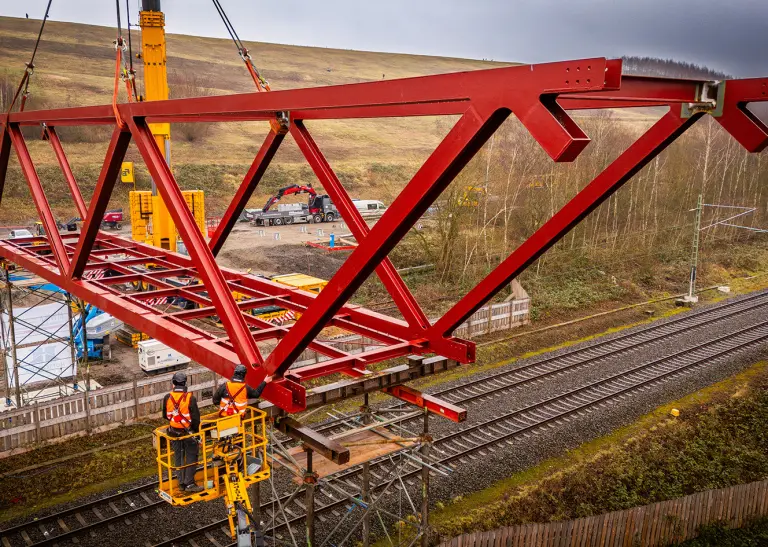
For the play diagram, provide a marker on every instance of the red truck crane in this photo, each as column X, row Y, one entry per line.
column 319, row 208
column 287, row 191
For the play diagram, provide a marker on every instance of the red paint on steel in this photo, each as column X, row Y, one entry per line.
column 69, row 176
column 458, row 147
column 38, row 196
column 110, row 170
column 428, row 402
column 330, row 249
column 539, row 95
column 386, row 271
column 244, row 192
column 748, row 129
column 5, row 156
column 197, row 248
column 656, row 139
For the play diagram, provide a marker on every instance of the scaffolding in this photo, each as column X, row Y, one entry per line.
column 40, row 356
column 392, row 500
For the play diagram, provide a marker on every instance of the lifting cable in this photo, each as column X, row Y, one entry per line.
column 131, row 71
column 30, row 67
column 261, row 83
column 120, row 71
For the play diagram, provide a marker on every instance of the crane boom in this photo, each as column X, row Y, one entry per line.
column 287, row 191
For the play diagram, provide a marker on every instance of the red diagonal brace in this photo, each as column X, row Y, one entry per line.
column 244, row 192
column 110, row 170
column 198, row 250
column 74, row 189
column 394, row 284
column 5, row 155
column 656, row 139
column 745, row 127
column 38, row 196
column 451, row 155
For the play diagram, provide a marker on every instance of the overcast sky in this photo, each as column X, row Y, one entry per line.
column 727, row 35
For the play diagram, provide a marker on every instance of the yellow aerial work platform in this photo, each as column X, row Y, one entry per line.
column 232, row 456
column 301, row 281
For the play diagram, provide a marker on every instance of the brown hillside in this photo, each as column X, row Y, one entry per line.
column 75, row 64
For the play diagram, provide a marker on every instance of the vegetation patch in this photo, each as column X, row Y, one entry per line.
column 719, row 440
column 754, row 534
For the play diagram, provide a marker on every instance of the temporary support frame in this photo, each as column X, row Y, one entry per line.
column 539, row 95
column 42, row 377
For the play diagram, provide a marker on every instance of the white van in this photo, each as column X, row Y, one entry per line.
column 369, row 207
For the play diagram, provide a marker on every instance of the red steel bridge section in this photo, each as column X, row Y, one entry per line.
column 539, row 95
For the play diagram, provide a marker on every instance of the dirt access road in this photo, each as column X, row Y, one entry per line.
column 281, row 249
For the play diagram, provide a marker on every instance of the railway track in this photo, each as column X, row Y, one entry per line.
column 61, row 527
column 575, row 358
column 482, row 438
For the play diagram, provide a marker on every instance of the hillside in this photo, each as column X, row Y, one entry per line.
column 75, row 66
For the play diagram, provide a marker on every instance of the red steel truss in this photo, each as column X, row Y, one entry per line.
column 96, row 266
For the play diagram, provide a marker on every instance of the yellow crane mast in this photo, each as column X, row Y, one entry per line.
column 150, row 221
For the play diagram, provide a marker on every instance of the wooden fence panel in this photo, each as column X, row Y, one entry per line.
column 657, row 524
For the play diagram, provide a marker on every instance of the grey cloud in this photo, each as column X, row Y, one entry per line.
column 728, row 36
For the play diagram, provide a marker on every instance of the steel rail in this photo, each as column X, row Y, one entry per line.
column 661, row 329
column 465, row 394
column 523, row 427
column 7, row 535
column 681, row 324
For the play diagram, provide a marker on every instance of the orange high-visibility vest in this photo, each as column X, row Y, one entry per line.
column 177, row 410
column 235, row 400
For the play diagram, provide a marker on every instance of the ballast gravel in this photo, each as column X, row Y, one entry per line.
column 491, row 464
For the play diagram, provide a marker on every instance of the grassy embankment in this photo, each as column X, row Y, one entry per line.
column 719, row 440
column 75, row 67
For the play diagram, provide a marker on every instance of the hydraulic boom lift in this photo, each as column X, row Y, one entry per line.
column 287, row 191
column 232, row 456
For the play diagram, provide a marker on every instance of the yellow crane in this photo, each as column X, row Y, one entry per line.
column 150, row 221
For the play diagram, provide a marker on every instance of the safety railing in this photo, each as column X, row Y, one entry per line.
column 239, row 439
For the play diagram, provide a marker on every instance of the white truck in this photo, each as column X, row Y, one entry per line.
column 154, row 356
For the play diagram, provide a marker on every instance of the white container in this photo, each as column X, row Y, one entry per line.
column 155, row 356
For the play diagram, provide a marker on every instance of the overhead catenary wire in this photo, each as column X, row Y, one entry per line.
column 30, row 66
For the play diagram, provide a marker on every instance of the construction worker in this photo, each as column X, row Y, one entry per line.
column 183, row 417
column 232, row 397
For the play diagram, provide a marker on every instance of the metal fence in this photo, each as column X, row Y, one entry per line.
column 495, row 318
column 658, row 524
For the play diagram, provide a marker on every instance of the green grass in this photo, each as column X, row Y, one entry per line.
column 719, row 440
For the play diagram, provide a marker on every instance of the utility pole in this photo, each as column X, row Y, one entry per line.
column 692, row 298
